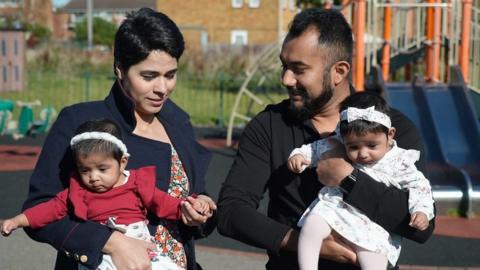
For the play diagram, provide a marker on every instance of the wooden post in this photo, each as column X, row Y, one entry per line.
column 463, row 60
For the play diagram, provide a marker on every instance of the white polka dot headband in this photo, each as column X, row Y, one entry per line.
column 95, row 135
column 369, row 114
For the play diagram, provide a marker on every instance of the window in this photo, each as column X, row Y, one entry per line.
column 17, row 74
column 239, row 37
column 4, row 74
column 237, row 3
column 204, row 38
column 4, row 48
column 254, row 3
column 15, row 47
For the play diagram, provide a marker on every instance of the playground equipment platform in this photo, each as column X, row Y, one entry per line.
column 447, row 120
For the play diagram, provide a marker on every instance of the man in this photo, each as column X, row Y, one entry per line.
column 316, row 58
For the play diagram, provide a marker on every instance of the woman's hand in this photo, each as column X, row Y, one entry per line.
column 129, row 253
column 191, row 217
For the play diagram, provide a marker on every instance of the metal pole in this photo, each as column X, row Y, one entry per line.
column 387, row 36
column 360, row 10
column 220, row 122
column 437, row 16
column 465, row 38
column 87, row 78
column 89, row 24
column 430, row 51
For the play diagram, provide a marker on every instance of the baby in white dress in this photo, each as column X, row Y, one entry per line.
column 366, row 132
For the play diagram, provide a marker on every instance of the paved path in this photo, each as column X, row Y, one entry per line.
column 455, row 246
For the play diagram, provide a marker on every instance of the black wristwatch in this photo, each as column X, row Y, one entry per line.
column 347, row 184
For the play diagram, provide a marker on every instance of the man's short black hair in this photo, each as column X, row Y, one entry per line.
column 334, row 31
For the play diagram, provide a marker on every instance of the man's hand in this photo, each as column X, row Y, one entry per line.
column 333, row 167
column 129, row 253
column 333, row 248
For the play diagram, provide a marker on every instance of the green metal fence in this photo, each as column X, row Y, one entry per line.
column 207, row 100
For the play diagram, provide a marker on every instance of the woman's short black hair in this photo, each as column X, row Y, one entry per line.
column 142, row 32
column 90, row 146
column 363, row 100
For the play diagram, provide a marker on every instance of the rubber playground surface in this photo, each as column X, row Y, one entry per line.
column 454, row 245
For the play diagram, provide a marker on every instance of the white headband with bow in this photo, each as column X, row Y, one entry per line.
column 369, row 114
column 95, row 135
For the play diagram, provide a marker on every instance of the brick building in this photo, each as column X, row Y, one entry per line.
column 12, row 60
column 221, row 22
column 10, row 9
column 38, row 12
column 204, row 23
column 111, row 10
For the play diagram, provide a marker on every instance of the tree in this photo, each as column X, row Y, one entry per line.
column 103, row 31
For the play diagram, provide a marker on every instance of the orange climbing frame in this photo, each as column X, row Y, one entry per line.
column 463, row 60
column 387, row 36
column 359, row 58
column 432, row 56
column 433, row 37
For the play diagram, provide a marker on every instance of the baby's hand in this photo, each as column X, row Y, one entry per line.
column 8, row 226
column 199, row 205
column 297, row 163
column 419, row 221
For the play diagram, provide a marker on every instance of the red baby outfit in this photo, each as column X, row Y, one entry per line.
column 128, row 203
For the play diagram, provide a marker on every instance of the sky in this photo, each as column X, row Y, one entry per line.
column 59, row 3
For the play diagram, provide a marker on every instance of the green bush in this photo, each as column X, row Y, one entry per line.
column 103, row 32
column 39, row 31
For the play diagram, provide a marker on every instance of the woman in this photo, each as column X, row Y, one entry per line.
column 148, row 46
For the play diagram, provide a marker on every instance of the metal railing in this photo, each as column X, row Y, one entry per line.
column 409, row 33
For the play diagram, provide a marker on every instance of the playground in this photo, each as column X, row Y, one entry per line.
column 434, row 46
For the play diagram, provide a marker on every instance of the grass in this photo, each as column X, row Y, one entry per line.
column 201, row 99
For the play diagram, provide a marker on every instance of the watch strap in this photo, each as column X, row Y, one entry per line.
column 348, row 183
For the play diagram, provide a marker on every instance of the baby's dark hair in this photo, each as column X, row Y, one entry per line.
column 89, row 146
column 363, row 100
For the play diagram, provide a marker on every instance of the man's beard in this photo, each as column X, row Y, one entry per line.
column 311, row 106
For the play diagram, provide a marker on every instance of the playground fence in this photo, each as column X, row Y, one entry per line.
column 207, row 100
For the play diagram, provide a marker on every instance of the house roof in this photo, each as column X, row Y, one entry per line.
column 75, row 6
